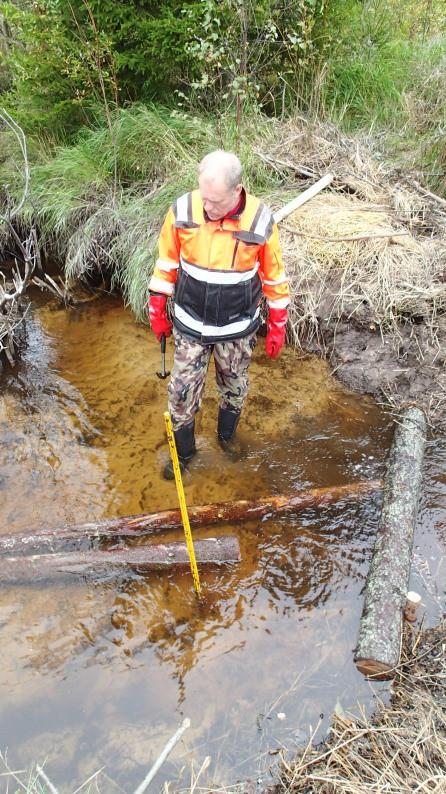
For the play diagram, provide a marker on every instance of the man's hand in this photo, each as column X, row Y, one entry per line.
column 276, row 330
column 159, row 322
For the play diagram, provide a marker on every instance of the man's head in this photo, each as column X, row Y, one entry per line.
column 220, row 175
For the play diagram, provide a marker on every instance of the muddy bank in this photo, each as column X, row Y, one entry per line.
column 395, row 369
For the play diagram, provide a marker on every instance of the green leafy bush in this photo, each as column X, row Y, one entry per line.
column 70, row 55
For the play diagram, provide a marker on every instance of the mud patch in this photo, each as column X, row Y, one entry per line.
column 397, row 369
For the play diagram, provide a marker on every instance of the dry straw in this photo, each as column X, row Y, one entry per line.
column 346, row 259
column 370, row 249
column 401, row 749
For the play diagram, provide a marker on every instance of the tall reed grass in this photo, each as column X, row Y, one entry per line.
column 99, row 203
column 395, row 89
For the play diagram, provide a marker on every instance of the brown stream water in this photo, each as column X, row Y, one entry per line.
column 100, row 673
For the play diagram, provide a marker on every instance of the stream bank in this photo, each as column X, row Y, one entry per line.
column 397, row 370
column 401, row 748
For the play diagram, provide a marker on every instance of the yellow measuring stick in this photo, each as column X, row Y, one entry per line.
column 182, row 501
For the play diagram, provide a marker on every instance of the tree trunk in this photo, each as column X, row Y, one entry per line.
column 41, row 567
column 379, row 640
column 152, row 523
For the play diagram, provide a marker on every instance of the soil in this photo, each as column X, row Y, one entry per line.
column 407, row 367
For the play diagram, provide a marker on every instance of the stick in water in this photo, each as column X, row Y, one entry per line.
column 46, row 780
column 160, row 761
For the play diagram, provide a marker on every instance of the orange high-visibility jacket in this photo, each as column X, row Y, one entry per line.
column 217, row 270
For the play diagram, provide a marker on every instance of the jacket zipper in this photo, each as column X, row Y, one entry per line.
column 210, row 245
column 237, row 243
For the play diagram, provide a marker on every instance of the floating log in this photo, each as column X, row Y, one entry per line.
column 152, row 523
column 380, row 632
column 39, row 567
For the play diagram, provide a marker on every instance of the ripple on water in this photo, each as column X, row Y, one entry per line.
column 101, row 672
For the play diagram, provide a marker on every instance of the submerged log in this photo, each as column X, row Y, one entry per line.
column 152, row 523
column 380, row 632
column 40, row 567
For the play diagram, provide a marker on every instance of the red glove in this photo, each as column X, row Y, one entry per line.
column 275, row 336
column 159, row 323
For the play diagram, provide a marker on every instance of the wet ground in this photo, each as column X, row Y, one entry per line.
column 100, row 673
column 400, row 367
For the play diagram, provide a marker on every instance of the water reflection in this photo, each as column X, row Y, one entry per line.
column 100, row 672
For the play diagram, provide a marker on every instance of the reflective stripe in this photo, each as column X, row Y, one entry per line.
column 182, row 208
column 263, row 222
column 218, row 276
column 163, row 264
column 213, row 330
column 159, row 285
column 282, row 280
column 256, row 217
column 189, row 208
column 280, row 303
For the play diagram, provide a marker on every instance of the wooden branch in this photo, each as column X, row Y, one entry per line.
column 41, row 567
column 48, row 283
column 20, row 135
column 303, row 198
column 10, row 319
column 352, row 238
column 51, row 788
column 11, row 312
column 160, row 760
column 273, row 161
column 379, row 639
column 428, row 193
column 154, row 523
column 20, row 283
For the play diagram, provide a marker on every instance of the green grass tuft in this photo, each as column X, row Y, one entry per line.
column 99, row 203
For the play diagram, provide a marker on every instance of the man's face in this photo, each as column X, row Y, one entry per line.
column 217, row 198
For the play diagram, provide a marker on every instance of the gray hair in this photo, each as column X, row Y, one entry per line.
column 225, row 163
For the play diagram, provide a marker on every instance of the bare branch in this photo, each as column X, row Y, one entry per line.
column 15, row 284
column 9, row 122
column 167, row 750
column 46, row 780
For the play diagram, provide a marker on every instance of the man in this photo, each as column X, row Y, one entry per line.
column 218, row 250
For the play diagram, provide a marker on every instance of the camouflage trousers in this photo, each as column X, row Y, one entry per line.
column 190, row 366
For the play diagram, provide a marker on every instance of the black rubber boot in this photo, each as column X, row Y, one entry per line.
column 226, row 426
column 185, row 444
